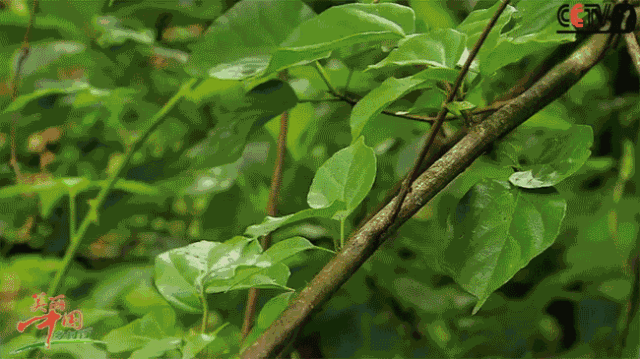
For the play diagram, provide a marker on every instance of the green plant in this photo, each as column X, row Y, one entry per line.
column 158, row 138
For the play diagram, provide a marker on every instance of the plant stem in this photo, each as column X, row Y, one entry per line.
column 272, row 210
column 90, row 217
column 342, row 232
column 325, row 78
column 205, row 306
column 72, row 215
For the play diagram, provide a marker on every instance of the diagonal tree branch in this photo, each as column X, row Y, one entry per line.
column 367, row 239
column 431, row 136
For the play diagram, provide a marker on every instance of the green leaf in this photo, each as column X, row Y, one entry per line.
column 239, row 43
column 135, row 187
column 340, row 27
column 113, row 32
column 274, row 276
column 78, row 12
column 439, row 48
column 456, row 107
column 183, row 274
column 49, row 198
column 176, row 272
column 197, row 9
column 156, row 348
column 237, row 116
column 270, row 224
column 44, row 22
column 390, row 90
column 158, row 324
column 497, row 230
column 432, row 15
column 24, row 100
column 544, row 157
column 289, row 248
column 269, row 313
column 196, row 342
column 346, row 177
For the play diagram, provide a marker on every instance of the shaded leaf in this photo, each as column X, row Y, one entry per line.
column 339, row 27
column 237, row 116
column 544, row 157
column 439, row 48
column 239, row 43
column 390, row 90
column 346, row 177
column 497, row 230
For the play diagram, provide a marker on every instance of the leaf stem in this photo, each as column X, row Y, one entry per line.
column 205, row 306
column 325, row 78
column 342, row 233
column 111, row 180
column 73, row 225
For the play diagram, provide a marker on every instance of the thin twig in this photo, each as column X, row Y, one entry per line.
column 429, row 119
column 272, row 210
column 92, row 215
column 14, row 86
column 406, row 186
column 431, row 157
column 371, row 236
column 633, row 49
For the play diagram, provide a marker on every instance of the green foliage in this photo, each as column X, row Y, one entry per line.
column 146, row 136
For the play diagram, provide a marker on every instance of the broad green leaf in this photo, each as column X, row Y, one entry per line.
column 78, row 12
column 51, row 191
column 156, row 348
column 43, row 22
column 196, row 9
column 237, row 116
column 24, row 100
column 390, row 90
column 158, row 324
column 49, row 198
column 269, row 313
column 432, row 14
column 270, row 224
column 238, row 44
column 274, row 276
column 176, row 272
column 544, row 157
column 196, row 342
column 429, row 101
column 439, row 48
column 346, row 177
column 290, row 247
column 340, row 27
column 456, row 107
column 113, row 32
column 184, row 274
column 497, row 230
column 216, row 179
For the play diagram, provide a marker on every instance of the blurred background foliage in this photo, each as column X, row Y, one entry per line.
column 109, row 65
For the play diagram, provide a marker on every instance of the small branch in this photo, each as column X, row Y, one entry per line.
column 489, row 109
column 325, row 78
column 634, row 49
column 90, row 217
column 406, row 186
column 371, row 236
column 272, row 210
column 431, row 157
column 14, row 86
